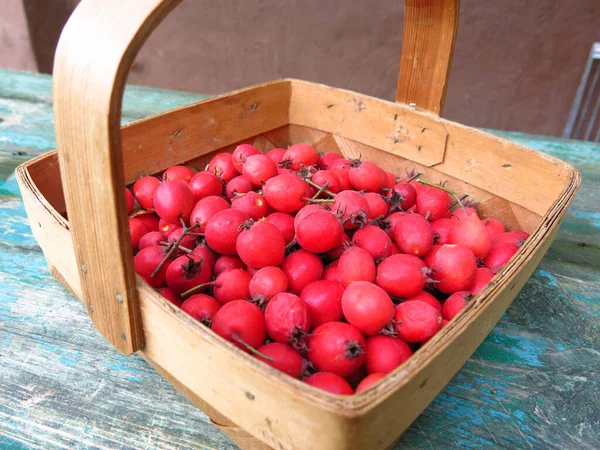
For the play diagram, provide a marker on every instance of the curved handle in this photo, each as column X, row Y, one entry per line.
column 93, row 57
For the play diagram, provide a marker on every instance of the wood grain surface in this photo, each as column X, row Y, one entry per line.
column 533, row 383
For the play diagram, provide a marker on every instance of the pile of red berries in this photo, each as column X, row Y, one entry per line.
column 328, row 269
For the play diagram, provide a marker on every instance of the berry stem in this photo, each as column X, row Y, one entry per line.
column 414, row 177
column 175, row 246
column 316, row 186
column 445, row 189
column 252, row 349
column 319, row 200
column 456, row 203
column 320, row 191
column 182, row 248
column 197, row 288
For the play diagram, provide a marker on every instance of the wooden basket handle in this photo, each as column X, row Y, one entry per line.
column 95, row 52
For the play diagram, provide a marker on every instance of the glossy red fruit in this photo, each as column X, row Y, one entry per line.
column 428, row 259
column 207, row 255
column 143, row 191
column 129, row 200
column 356, row 264
column 441, row 229
column 462, row 213
column 516, row 237
column 494, row 227
column 343, row 175
column 368, row 307
column 331, row 272
column 433, row 203
column 284, row 223
column 205, row 184
column 260, row 245
column 299, row 155
column 305, row 211
column 180, row 173
column 472, row 233
column 232, row 284
column 374, row 240
column 319, row 231
column 326, row 159
column 151, row 221
column 205, row 209
column 167, row 228
column 389, row 223
column 337, row 251
column 266, row 283
column 171, row 296
column 252, row 203
column 137, row 230
column 285, row 193
column 402, row 275
column 287, row 319
column 241, row 323
column 239, row 185
column 225, row 262
column 301, row 268
column 173, row 201
column 455, row 304
column 389, row 179
column 186, row 272
column 223, row 229
column 330, row 382
column 340, row 164
column 147, row 260
column 352, row 209
column 276, row 154
column 499, row 255
column 369, row 381
column 482, row 278
column 366, row 176
column 222, row 166
column 328, row 177
column 402, row 196
column 201, row 307
column 416, row 321
column 378, row 207
column 336, row 347
column 240, row 155
column 150, row 239
column 385, row 353
column 454, row 268
column 426, row 297
column 283, row 358
column 413, row 235
column 258, row 169
column 324, row 301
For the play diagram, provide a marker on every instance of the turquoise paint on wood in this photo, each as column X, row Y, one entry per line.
column 533, row 382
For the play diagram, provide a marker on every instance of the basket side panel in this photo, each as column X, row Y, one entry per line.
column 495, row 165
column 153, row 144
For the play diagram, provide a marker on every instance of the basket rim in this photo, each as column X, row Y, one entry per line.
column 361, row 403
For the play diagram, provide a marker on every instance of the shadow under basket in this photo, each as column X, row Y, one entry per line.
column 255, row 405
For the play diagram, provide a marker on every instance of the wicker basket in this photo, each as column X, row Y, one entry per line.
column 89, row 251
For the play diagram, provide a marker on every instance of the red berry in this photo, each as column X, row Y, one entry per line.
column 299, row 155
column 232, row 284
column 186, row 272
column 455, row 304
column 402, row 196
column 188, row 241
column 258, row 169
column 494, row 227
column 225, row 262
column 454, row 268
column 239, row 185
column 441, row 229
column 150, row 239
column 284, row 223
column 201, row 307
column 472, row 233
column 129, row 200
column 413, row 234
column 301, row 268
column 144, row 189
column 137, row 230
column 173, row 201
column 324, row 301
column 205, row 209
column 276, row 154
column 402, row 275
column 369, row 380
column 426, row 297
column 151, row 221
column 287, row 319
column 499, row 255
column 482, row 278
column 252, row 204
column 167, row 228
column 223, row 229
column 261, row 245
column 171, row 296
column 368, row 307
column 336, row 347
column 205, row 184
column 516, row 237
column 285, row 193
column 366, row 176
column 433, row 203
column 416, row 321
column 319, row 231
column 180, row 173
column 328, row 177
column 147, row 260
column 337, row 251
column 241, row 323
column 462, row 213
column 385, row 353
column 222, row 166
column 284, row 358
column 378, row 207
column 330, row 382
column 266, row 283
column 326, row 159
column 207, row 255
column 241, row 154
column 356, row 264
column 352, row 208
column 374, row 240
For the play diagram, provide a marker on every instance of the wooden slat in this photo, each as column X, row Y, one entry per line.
column 293, row 134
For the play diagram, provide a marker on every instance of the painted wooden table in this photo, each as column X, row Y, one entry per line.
column 533, row 383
